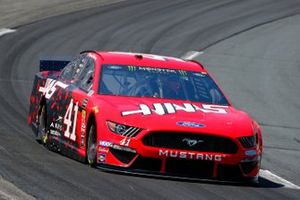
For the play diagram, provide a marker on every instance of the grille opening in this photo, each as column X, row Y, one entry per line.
column 123, row 156
column 190, row 168
column 149, row 164
column 190, row 141
column 248, row 166
column 229, row 172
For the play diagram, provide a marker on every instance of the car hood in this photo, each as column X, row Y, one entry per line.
column 175, row 115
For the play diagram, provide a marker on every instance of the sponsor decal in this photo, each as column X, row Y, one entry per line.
column 132, row 68
column 83, row 127
column 190, row 155
column 56, row 125
column 191, row 142
column 115, row 146
column 182, row 72
column 154, row 70
column 102, row 157
column 85, row 102
column 103, row 149
column 105, row 143
column 190, row 124
column 171, row 108
column 55, row 133
column 157, row 70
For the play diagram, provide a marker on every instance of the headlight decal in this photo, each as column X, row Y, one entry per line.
column 249, row 141
column 124, row 130
column 131, row 132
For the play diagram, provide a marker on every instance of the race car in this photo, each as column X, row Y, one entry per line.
column 143, row 113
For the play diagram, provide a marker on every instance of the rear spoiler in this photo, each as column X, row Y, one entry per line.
column 52, row 65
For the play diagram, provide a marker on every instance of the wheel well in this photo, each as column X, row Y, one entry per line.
column 91, row 120
column 40, row 108
column 42, row 103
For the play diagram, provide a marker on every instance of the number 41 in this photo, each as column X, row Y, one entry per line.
column 68, row 120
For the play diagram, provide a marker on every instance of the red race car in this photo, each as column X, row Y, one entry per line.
column 143, row 113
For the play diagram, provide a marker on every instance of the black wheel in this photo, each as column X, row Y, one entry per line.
column 91, row 146
column 42, row 131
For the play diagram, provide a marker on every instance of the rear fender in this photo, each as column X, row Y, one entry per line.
column 36, row 97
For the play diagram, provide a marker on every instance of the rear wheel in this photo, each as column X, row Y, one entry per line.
column 91, row 146
column 42, row 130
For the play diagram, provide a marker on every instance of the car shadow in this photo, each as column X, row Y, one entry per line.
column 262, row 182
column 265, row 183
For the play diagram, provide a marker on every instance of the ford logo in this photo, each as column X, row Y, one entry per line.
column 190, row 124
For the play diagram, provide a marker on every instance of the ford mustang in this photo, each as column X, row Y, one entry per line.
column 143, row 113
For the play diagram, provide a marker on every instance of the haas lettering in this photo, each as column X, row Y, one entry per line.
column 171, row 108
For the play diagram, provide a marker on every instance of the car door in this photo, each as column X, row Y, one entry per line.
column 67, row 99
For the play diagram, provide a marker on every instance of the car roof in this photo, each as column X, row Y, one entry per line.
column 150, row 60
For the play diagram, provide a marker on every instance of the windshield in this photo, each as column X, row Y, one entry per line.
column 165, row 83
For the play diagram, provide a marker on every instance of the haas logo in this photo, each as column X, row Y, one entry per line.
column 50, row 87
column 172, row 108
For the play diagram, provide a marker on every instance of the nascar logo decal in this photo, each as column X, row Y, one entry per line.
column 171, row 108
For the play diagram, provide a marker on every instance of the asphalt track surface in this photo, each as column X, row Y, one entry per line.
column 250, row 46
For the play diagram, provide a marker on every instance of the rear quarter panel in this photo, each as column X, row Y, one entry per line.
column 36, row 95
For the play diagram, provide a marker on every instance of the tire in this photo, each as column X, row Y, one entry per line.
column 91, row 149
column 42, row 130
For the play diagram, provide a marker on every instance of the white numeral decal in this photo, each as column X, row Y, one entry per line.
column 68, row 120
column 125, row 142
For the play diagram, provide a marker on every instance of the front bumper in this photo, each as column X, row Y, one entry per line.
column 137, row 158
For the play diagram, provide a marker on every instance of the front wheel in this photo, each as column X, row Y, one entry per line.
column 91, row 146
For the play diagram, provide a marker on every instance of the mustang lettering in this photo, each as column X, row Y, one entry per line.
column 191, row 155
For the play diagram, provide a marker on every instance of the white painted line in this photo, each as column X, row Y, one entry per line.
column 277, row 179
column 4, row 150
column 4, row 31
column 192, row 54
column 10, row 191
